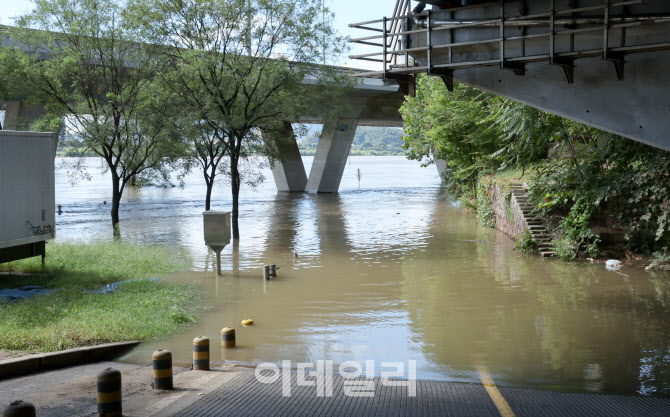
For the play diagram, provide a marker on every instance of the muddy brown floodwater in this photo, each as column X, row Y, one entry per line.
column 395, row 271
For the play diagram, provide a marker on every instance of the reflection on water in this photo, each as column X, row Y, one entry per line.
column 395, row 272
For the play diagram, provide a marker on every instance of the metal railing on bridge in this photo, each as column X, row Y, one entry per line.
column 399, row 58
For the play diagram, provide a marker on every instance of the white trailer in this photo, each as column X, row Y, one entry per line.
column 27, row 193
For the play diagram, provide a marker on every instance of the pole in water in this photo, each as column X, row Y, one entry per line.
column 60, row 209
column 218, row 262
column 273, row 271
column 266, row 273
column 228, row 337
column 109, row 393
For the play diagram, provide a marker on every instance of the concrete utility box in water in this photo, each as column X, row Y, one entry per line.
column 217, row 233
column 27, row 195
column 217, row 228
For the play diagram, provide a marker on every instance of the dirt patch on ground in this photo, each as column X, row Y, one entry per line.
column 11, row 354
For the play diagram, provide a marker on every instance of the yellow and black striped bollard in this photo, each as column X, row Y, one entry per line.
column 228, row 337
column 201, row 353
column 19, row 409
column 162, row 364
column 109, row 393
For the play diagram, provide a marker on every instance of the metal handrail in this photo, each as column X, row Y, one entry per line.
column 392, row 45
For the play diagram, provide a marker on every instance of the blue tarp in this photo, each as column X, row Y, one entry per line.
column 11, row 295
column 114, row 286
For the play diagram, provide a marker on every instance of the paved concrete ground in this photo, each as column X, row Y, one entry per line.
column 71, row 392
column 244, row 396
column 234, row 391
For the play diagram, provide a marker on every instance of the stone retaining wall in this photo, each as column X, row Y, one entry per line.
column 508, row 215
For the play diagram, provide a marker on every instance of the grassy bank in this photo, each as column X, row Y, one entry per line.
column 71, row 317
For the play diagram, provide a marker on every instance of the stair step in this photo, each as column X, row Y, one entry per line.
column 548, row 254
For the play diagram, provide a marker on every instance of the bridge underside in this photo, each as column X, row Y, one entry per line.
column 602, row 63
column 637, row 107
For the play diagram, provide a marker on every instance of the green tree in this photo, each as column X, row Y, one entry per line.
column 246, row 66
column 207, row 150
column 620, row 182
column 451, row 126
column 13, row 85
column 88, row 63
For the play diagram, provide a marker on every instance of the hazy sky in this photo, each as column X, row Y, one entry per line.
column 346, row 11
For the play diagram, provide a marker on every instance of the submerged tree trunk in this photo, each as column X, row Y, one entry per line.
column 209, row 182
column 208, row 196
column 116, row 201
column 235, row 185
column 236, row 258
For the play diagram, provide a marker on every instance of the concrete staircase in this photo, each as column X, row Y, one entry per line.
column 533, row 224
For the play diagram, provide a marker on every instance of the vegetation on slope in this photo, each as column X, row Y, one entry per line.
column 594, row 188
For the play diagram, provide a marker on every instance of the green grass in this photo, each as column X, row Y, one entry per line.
column 71, row 317
column 514, row 174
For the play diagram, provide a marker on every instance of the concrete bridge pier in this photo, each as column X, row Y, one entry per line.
column 372, row 103
column 289, row 171
column 441, row 166
column 19, row 116
column 331, row 156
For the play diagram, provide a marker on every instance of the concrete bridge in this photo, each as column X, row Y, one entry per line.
column 372, row 102
column 604, row 63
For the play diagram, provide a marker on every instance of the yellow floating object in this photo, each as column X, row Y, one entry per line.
column 247, row 322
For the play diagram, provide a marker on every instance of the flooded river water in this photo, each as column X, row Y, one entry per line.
column 393, row 271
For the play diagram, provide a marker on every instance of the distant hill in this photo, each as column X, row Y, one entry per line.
column 368, row 141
